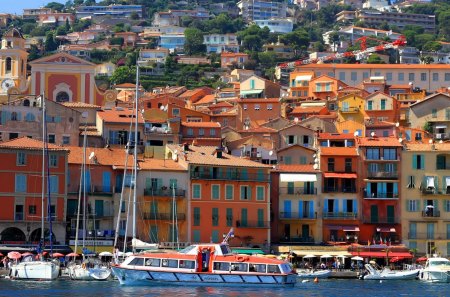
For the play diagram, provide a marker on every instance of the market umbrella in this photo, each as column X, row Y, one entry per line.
column 57, row 255
column 14, row 255
column 105, row 254
column 421, row 259
column 72, row 255
column 309, row 256
column 27, row 254
column 430, row 206
column 326, row 256
column 1, row 255
column 357, row 258
column 395, row 259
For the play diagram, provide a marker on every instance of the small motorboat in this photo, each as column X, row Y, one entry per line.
column 374, row 272
column 308, row 273
column 437, row 270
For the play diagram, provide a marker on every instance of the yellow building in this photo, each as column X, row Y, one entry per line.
column 351, row 114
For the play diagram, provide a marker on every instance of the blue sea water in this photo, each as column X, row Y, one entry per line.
column 328, row 288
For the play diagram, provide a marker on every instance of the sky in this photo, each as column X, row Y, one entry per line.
column 17, row 6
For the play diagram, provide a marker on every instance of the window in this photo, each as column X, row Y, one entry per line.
column 369, row 105
column 14, row 116
column 389, row 154
column 229, row 217
column 201, row 132
column 8, row 65
column 447, row 205
column 383, row 104
column 389, row 76
column 190, row 132
column 418, row 162
column 21, row 183
column 245, row 106
column 441, row 162
column 32, row 209
column 287, row 160
column 354, row 76
column 411, row 182
column 246, row 193
column 215, row 192
column 229, row 192
column 54, row 184
column 365, row 75
column 411, row 77
column 196, row 216
column 331, row 164
column 447, row 77
column 196, row 190
column 412, row 230
column 257, row 107
column 434, row 113
column 342, row 76
column 215, row 216
column 348, row 164
column 175, row 111
column 53, row 160
column 412, row 205
column 51, row 138
column 212, row 132
column 66, row 140
column 373, row 154
column 29, row 117
column 252, row 84
column 269, row 107
column 21, row 159
column 259, row 193
column 423, row 76
column 435, row 76
column 401, row 76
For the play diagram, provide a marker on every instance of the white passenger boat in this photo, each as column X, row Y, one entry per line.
column 436, row 270
column 305, row 273
column 204, row 264
column 35, row 270
column 373, row 272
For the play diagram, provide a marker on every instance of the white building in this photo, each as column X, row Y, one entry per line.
column 376, row 4
column 261, row 9
column 217, row 43
column 276, row 25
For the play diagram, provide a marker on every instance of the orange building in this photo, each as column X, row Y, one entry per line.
column 203, row 133
column 252, row 113
column 324, row 87
column 225, row 191
column 21, row 191
column 230, row 59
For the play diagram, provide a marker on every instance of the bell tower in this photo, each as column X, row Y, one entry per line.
column 13, row 62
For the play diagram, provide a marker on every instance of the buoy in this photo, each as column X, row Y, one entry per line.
column 381, row 281
column 316, row 280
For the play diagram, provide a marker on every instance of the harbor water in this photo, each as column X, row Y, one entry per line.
column 328, row 288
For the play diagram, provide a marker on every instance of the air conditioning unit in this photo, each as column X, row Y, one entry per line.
column 258, row 155
column 439, row 135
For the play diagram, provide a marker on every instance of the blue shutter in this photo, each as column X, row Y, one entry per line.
column 287, row 208
column 344, row 205
column 54, row 184
column 196, row 235
column 395, row 189
column 106, row 181
column 436, row 204
column 300, row 209
column 414, row 161
column 88, row 181
column 355, row 206
column 336, row 206
column 215, row 236
column 379, row 189
column 368, row 191
column 311, row 209
column 412, row 230
column 19, row 116
column 325, row 205
column 422, row 161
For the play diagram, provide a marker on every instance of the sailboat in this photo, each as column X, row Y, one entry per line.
column 88, row 269
column 40, row 269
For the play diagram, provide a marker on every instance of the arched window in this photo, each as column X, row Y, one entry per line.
column 8, row 65
column 62, row 97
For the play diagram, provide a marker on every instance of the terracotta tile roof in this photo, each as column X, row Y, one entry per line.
column 378, row 141
column 427, row 147
column 26, row 143
column 104, row 156
column 224, row 54
column 259, row 100
column 338, row 151
column 430, row 97
column 126, row 85
column 123, row 115
column 205, row 100
column 201, row 124
column 205, row 155
column 307, row 168
column 259, row 130
column 221, row 104
column 160, row 165
column 336, row 136
column 307, row 109
column 250, row 140
column 80, row 105
column 399, row 87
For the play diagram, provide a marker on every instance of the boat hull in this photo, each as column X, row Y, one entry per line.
column 401, row 275
column 318, row 274
column 146, row 277
column 79, row 273
column 37, row 270
column 435, row 276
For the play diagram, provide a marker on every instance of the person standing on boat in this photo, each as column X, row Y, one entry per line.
column 116, row 255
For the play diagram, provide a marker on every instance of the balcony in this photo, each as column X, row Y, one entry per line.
column 164, row 216
column 343, row 189
column 431, row 213
column 380, row 220
column 340, row 215
column 381, row 195
column 431, row 235
column 441, row 136
column 165, row 192
column 382, row 174
column 293, row 239
column 253, row 224
column 94, row 190
column 232, row 177
column 297, row 191
column 434, row 191
column 295, row 215
column 349, row 110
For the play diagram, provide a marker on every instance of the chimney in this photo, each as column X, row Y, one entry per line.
column 219, row 153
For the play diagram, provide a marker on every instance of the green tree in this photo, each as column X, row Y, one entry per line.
column 122, row 74
column 131, row 58
column 61, row 30
column 55, row 6
column 375, row 59
column 39, row 31
column 50, row 44
column 34, row 53
column 298, row 40
column 116, row 41
column 444, row 23
column 427, row 59
column 27, row 28
column 193, row 41
column 432, row 46
column 134, row 16
column 267, row 59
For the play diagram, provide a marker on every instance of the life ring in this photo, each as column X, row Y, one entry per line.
column 83, row 265
column 240, row 258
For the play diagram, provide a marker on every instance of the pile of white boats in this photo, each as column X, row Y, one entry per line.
column 375, row 272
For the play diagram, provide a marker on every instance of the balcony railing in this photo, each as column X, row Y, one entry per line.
column 349, row 109
column 340, row 215
column 382, row 174
column 297, row 191
column 433, row 191
column 308, row 239
column 252, row 224
column 164, row 216
column 94, row 190
column 380, row 220
column 335, row 189
column 431, row 213
column 296, row 215
column 431, row 235
column 165, row 192
column 234, row 176
column 381, row 195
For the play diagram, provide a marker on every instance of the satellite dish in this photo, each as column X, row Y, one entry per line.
column 316, row 166
column 397, row 124
column 400, row 140
column 92, row 155
column 430, row 141
column 270, row 153
column 314, row 155
column 355, row 133
column 316, row 160
column 142, row 111
column 246, row 127
column 296, row 120
column 410, row 83
column 372, row 134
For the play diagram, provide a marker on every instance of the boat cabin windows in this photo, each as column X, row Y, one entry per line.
column 187, row 264
column 222, row 266
column 239, row 267
column 170, row 263
column 273, row 269
column 137, row 262
column 261, row 268
column 153, row 262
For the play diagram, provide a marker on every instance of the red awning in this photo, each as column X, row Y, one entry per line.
column 339, row 175
column 403, row 255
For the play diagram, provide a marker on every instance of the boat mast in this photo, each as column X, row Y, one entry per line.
column 43, row 174
column 136, row 113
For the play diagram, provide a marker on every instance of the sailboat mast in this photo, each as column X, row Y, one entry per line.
column 136, row 114
column 43, row 169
